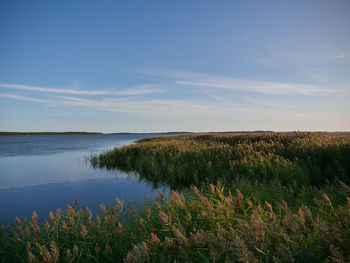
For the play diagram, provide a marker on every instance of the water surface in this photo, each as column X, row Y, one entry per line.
column 43, row 173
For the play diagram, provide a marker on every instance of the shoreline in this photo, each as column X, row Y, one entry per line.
column 9, row 134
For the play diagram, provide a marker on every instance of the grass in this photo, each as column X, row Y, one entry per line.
column 253, row 198
column 305, row 158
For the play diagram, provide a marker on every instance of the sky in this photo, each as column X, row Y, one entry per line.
column 160, row 66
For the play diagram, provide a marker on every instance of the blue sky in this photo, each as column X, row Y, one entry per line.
column 145, row 66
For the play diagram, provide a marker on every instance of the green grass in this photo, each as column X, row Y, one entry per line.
column 254, row 198
column 304, row 158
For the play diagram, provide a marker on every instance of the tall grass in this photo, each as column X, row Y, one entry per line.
column 244, row 198
column 306, row 158
column 211, row 224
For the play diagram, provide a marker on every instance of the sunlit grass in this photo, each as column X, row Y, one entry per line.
column 243, row 198
column 306, row 158
column 211, row 224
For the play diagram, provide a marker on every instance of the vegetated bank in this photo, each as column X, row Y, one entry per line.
column 47, row 133
column 281, row 197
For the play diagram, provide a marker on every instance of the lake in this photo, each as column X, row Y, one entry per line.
column 43, row 173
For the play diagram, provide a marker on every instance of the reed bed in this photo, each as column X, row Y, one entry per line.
column 305, row 158
column 244, row 198
column 211, row 224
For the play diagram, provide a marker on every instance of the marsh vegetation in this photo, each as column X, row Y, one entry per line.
column 280, row 197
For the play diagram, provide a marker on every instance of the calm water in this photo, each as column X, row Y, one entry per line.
column 43, row 173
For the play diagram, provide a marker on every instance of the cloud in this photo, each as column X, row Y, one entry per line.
column 193, row 95
column 161, row 107
column 164, row 108
column 236, row 84
column 23, row 98
column 140, row 90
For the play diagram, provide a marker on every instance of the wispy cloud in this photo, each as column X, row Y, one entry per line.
column 164, row 108
column 237, row 84
column 161, row 107
column 24, row 98
column 140, row 90
column 197, row 95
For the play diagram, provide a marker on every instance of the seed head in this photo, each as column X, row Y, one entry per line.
column 75, row 250
column 68, row 256
column 83, row 231
column 148, row 212
column 164, row 219
column 155, row 240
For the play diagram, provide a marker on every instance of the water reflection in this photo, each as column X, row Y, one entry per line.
column 43, row 174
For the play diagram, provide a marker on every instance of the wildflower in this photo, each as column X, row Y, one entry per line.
column 18, row 221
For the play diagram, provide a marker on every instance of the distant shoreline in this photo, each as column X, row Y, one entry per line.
column 6, row 134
